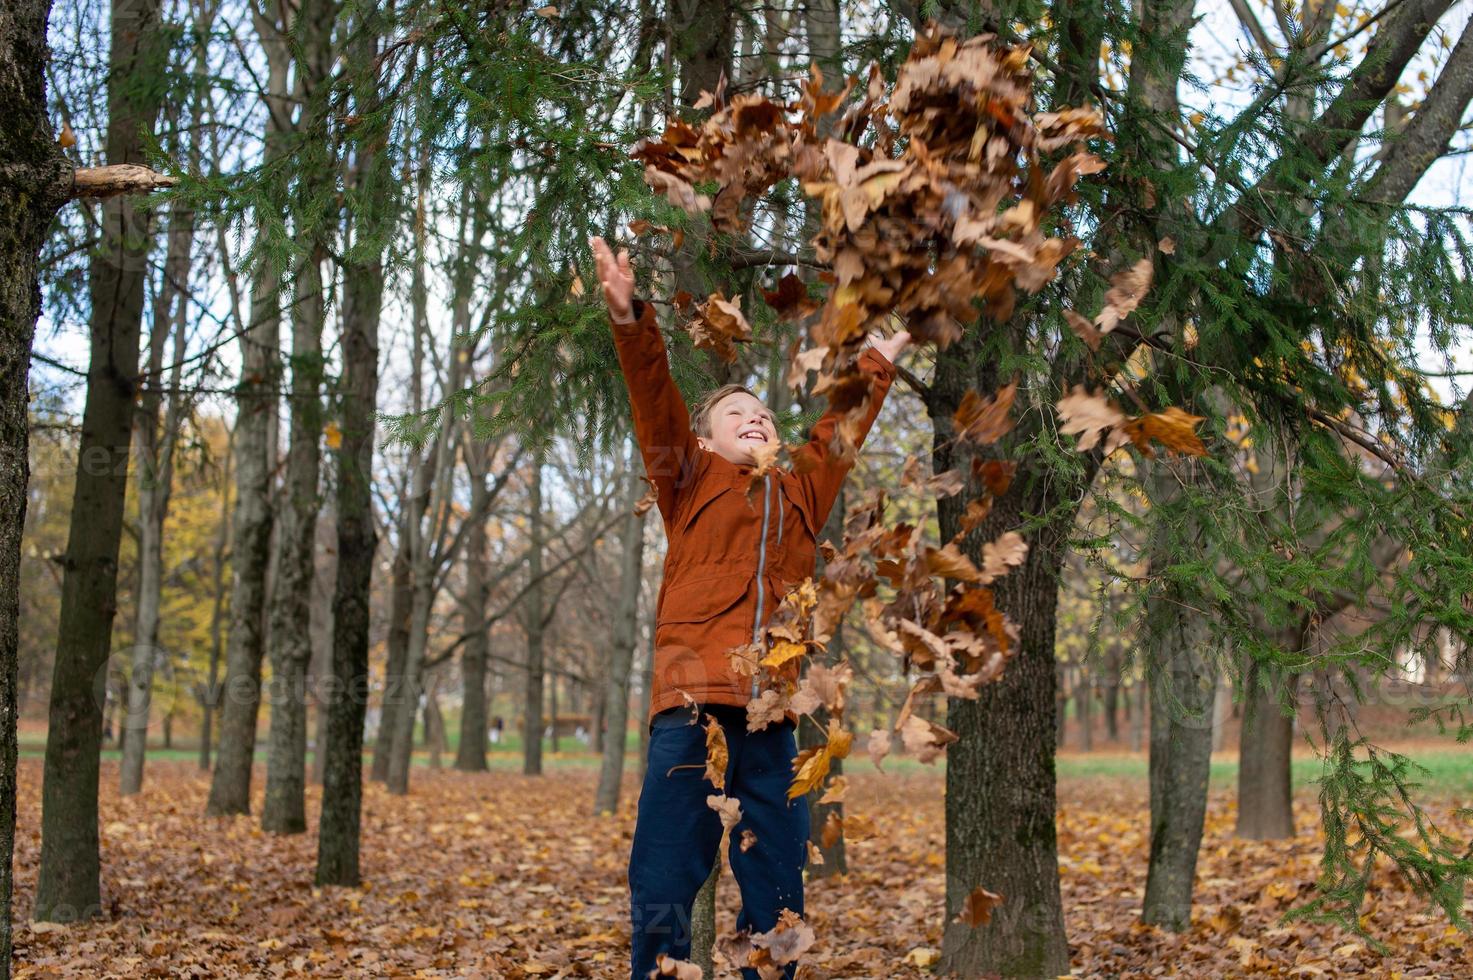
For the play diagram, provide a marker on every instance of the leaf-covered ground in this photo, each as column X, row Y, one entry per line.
column 500, row 875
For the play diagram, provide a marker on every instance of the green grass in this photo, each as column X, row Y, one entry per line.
column 1449, row 772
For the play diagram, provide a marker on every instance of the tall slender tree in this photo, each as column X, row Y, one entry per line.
column 256, row 400
column 284, row 811
column 68, row 886
column 372, row 202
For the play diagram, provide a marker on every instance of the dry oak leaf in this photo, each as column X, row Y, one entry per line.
column 729, row 809
column 718, row 324
column 835, row 791
column 680, row 192
column 748, row 839
column 668, row 966
column 878, row 746
column 764, row 710
column 1126, row 291
column 986, row 421
column 925, row 738
column 810, row 766
column 782, row 652
column 650, row 498
column 1173, row 428
column 998, row 556
column 1087, row 414
column 787, row 940
column 790, row 298
column 977, row 908
column 717, row 756
column 1083, row 329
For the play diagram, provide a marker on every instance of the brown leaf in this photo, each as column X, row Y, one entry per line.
column 650, row 498
column 925, row 739
column 977, row 908
column 668, row 966
column 998, row 556
column 1173, row 428
column 1087, row 414
column 986, row 421
column 1083, row 329
column 1126, row 290
column 878, row 746
column 717, row 757
column 791, row 298
column 728, row 809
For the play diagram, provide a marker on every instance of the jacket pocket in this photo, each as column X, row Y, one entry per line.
column 703, row 599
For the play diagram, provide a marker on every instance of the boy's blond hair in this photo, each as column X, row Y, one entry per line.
column 700, row 419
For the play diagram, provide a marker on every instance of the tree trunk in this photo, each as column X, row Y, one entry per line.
column 1181, row 672
column 532, row 617
column 1265, row 795
column 34, row 192
column 434, row 722
column 1000, row 791
column 370, row 174
column 1082, row 696
column 285, row 807
column 250, row 551
column 470, row 754
column 322, row 633
column 210, row 696
column 621, row 658
column 1111, row 695
column 155, row 479
column 68, row 887
column 397, row 643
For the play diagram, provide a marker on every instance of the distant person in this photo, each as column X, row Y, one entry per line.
column 496, row 726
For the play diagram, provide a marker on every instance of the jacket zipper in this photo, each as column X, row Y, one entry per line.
column 761, row 570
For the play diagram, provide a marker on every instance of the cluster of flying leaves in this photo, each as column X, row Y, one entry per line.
column 938, row 195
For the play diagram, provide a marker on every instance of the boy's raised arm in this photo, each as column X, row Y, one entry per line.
column 826, row 477
column 661, row 420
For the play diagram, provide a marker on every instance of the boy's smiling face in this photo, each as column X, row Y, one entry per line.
column 738, row 422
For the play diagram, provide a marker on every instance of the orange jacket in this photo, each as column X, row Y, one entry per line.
column 728, row 563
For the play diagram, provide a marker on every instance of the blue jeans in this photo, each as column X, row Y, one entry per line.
column 676, row 834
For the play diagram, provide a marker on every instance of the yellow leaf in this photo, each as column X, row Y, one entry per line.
column 334, row 436
column 810, row 767
column 782, row 652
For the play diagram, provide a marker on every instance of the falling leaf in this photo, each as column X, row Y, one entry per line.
column 333, row 435
column 782, row 653
column 717, row 757
column 548, row 11
column 998, row 556
column 66, row 139
column 977, row 908
column 764, row 710
column 748, row 840
column 925, row 739
column 729, row 809
column 1167, row 245
column 650, row 498
column 1083, row 329
column 1173, row 428
column 810, row 766
column 1126, row 290
column 986, row 421
column 878, row 746
column 668, row 966
column 717, row 324
column 791, row 298
column 1087, row 414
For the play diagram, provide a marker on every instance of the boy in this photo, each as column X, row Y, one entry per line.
column 728, row 565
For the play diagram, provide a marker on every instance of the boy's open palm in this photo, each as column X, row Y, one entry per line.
column 616, row 278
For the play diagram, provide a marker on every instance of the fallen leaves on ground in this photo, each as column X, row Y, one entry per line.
column 499, row 875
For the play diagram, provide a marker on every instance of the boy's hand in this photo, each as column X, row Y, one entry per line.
column 890, row 347
column 616, row 277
